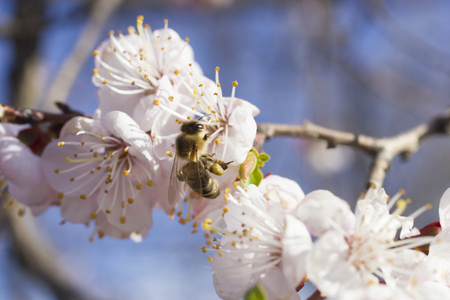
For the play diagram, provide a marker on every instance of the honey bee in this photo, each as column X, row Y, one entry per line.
column 192, row 165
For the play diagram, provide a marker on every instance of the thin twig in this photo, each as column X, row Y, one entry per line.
column 382, row 150
column 9, row 114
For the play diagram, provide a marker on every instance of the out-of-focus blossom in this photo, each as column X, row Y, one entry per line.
column 21, row 172
column 346, row 258
column 260, row 240
column 105, row 168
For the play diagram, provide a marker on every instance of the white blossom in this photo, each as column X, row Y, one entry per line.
column 105, row 167
column 260, row 239
column 345, row 258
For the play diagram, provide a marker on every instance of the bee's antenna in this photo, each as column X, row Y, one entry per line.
column 204, row 117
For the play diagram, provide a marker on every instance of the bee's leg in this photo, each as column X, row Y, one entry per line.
column 224, row 165
column 205, row 138
column 218, row 167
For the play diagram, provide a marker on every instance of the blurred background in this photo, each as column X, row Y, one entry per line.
column 370, row 67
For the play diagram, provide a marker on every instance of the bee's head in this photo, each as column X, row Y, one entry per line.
column 192, row 127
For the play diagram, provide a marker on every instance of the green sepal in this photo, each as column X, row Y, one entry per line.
column 249, row 171
column 256, row 293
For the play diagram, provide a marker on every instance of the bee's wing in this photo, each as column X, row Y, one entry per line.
column 174, row 183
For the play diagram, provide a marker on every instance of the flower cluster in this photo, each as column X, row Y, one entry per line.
column 266, row 241
column 113, row 169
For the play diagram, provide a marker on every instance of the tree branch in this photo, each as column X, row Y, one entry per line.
column 382, row 150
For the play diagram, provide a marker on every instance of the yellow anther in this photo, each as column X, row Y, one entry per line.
column 95, row 71
column 133, row 83
column 156, row 102
column 204, row 249
column 195, row 224
column 140, row 19
column 171, row 98
column 227, row 191
column 179, row 121
column 235, row 83
column 214, row 246
column 166, row 21
column 217, row 141
column 207, row 235
column 82, row 196
column 225, row 209
column 139, row 186
column 429, row 206
column 187, row 40
column 60, row 144
column 220, row 253
column 62, row 222
column 125, row 172
column 130, row 200
column 210, row 259
column 107, row 211
column 235, row 184
column 169, row 153
column 60, row 195
column 123, row 220
column 233, row 243
column 111, row 32
column 21, row 212
column 101, row 234
column 218, row 84
column 95, row 53
column 401, row 191
column 93, row 215
column 56, row 171
column 122, row 204
column 217, row 69
column 208, row 242
column 177, row 72
column 149, row 182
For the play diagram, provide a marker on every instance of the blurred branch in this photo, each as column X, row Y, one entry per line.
column 28, row 28
column 64, row 79
column 382, row 150
column 36, row 255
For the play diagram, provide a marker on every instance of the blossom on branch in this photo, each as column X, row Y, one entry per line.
column 260, row 239
column 355, row 253
column 105, row 167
